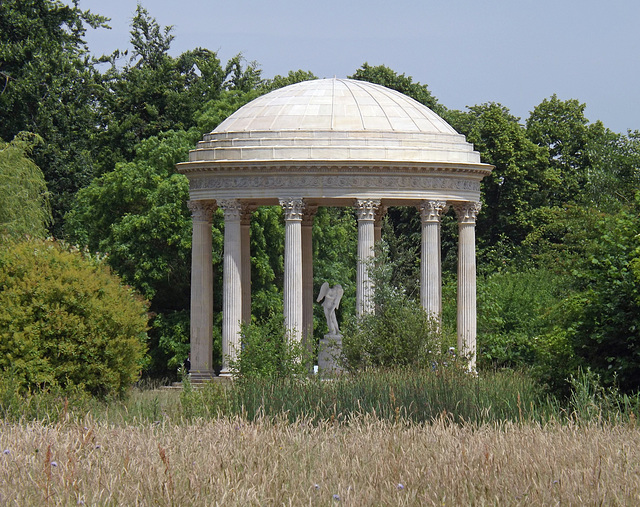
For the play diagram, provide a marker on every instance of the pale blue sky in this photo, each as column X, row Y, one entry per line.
column 516, row 52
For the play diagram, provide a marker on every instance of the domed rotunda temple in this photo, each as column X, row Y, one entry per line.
column 327, row 142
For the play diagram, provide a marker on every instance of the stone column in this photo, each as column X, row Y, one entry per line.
column 231, row 283
column 307, row 275
column 245, row 248
column 467, row 213
column 366, row 210
column 201, row 332
column 430, row 264
column 377, row 224
column 293, row 320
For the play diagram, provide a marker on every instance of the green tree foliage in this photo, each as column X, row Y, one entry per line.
column 591, row 164
column 517, row 185
column 24, row 203
column 155, row 92
column 562, row 128
column 601, row 318
column 48, row 86
column 383, row 75
column 66, row 320
column 137, row 214
column 292, row 77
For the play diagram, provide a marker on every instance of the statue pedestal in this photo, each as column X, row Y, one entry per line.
column 329, row 353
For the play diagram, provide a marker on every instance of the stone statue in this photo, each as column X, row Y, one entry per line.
column 332, row 297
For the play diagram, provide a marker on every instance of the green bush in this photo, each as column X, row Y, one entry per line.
column 268, row 352
column 66, row 320
column 398, row 333
column 515, row 312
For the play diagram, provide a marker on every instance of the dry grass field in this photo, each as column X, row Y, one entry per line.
column 228, row 461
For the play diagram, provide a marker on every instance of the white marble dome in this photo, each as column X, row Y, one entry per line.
column 331, row 120
column 334, row 140
column 335, row 105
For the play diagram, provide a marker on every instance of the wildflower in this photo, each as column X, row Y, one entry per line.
column 400, row 485
column 317, row 486
column 54, row 463
column 336, row 498
column 98, row 446
column 7, row 451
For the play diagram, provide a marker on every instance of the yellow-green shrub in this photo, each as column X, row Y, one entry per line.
column 66, row 320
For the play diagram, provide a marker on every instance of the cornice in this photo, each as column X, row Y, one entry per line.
column 252, row 169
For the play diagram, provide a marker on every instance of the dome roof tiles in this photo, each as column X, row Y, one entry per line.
column 335, row 104
column 334, row 121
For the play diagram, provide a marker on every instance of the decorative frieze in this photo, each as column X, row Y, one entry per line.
column 365, row 182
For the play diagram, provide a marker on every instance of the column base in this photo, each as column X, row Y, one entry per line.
column 329, row 352
column 200, row 376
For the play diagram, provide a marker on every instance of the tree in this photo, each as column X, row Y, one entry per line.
column 613, row 174
column 601, row 318
column 66, row 320
column 155, row 92
column 517, row 184
column 562, row 128
column 49, row 88
column 291, row 78
column 137, row 214
column 24, row 203
column 383, row 75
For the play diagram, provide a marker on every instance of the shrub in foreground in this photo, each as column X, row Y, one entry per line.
column 267, row 351
column 398, row 334
column 66, row 320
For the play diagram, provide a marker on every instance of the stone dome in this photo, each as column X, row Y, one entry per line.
column 334, row 120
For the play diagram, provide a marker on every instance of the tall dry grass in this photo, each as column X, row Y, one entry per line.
column 230, row 461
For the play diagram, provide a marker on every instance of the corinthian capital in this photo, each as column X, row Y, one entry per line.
column 431, row 211
column 293, row 208
column 366, row 208
column 307, row 215
column 467, row 211
column 247, row 211
column 201, row 211
column 232, row 209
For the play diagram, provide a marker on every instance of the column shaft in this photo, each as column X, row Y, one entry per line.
column 245, row 245
column 201, row 328
column 430, row 265
column 364, row 288
column 232, row 284
column 307, row 276
column 467, row 213
column 292, row 296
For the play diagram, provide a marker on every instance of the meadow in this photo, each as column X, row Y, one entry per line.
column 207, row 446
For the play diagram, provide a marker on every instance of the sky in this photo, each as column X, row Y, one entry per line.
column 515, row 52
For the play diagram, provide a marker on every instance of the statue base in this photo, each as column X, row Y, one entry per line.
column 329, row 352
